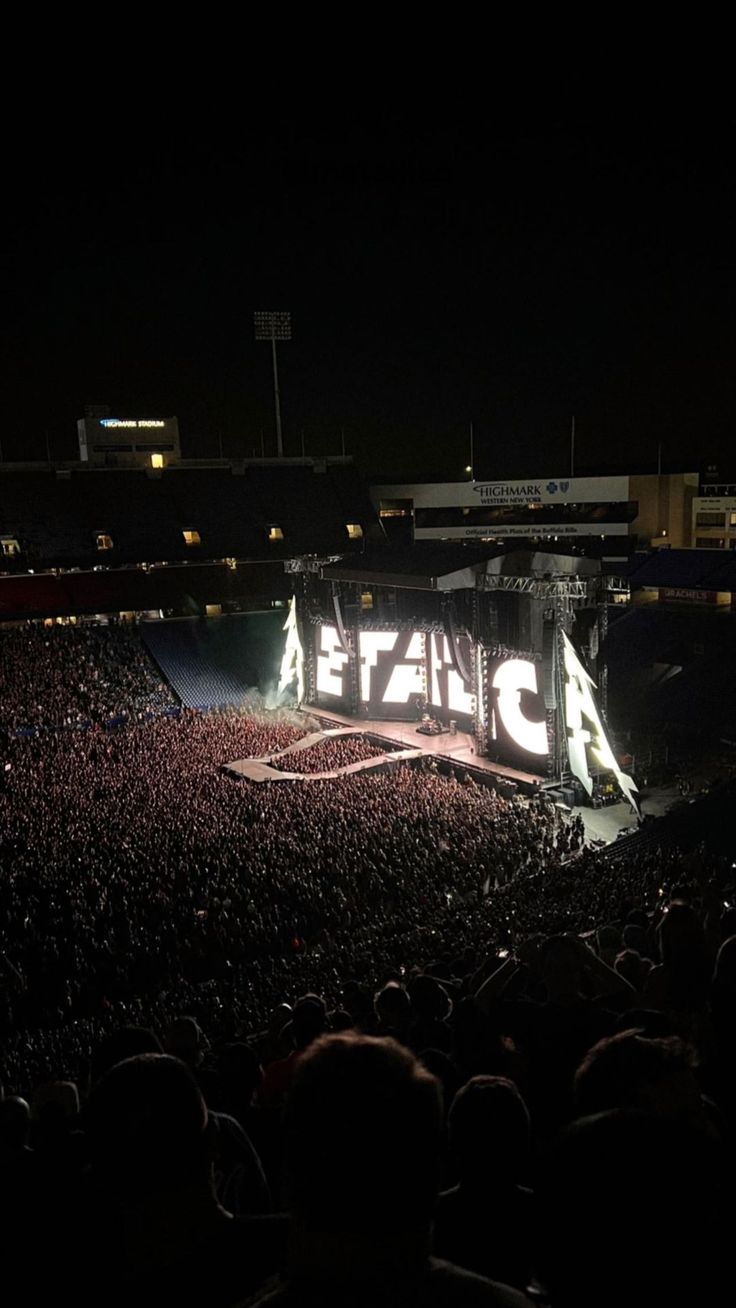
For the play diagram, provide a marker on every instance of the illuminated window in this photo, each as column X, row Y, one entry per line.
column 9, row 546
column 191, row 538
column 157, row 460
column 732, row 519
column 395, row 508
column 213, row 610
column 366, row 599
column 355, row 531
column 275, row 532
column 103, row 541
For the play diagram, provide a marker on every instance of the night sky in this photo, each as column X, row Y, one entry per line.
column 508, row 272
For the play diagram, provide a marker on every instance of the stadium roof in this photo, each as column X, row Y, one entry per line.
column 182, row 513
column 454, row 567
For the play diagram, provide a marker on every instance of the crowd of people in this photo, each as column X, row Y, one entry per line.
column 330, row 754
column 141, row 867
column 71, row 676
column 387, row 1037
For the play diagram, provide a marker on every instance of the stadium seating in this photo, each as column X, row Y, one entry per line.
column 214, row 663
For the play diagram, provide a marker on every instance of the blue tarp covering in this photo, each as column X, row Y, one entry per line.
column 685, row 569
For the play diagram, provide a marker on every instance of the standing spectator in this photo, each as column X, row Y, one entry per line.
column 363, row 1133
column 633, row 1210
column 485, row 1222
column 153, row 1225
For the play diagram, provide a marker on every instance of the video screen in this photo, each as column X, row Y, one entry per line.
column 449, row 695
column 393, row 679
column 331, row 662
column 517, row 719
column 391, row 671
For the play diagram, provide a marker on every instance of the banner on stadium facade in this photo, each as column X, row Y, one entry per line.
column 680, row 595
column 502, row 529
column 507, row 494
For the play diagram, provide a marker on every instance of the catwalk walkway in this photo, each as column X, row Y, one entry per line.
column 402, row 742
column 259, row 769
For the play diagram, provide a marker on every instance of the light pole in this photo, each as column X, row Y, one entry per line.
column 274, row 327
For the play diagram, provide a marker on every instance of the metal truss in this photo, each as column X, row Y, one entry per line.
column 616, row 585
column 570, row 588
column 310, row 562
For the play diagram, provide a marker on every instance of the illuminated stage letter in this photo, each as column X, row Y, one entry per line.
column 511, row 677
column 459, row 698
column 407, row 679
column 437, row 646
column 292, row 663
column 580, row 705
column 331, row 662
column 370, row 644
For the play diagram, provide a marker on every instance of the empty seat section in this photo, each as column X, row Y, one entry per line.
column 218, row 662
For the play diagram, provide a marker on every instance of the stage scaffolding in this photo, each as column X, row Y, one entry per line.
column 458, row 594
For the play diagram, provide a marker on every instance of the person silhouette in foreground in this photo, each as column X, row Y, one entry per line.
column 154, row 1226
column 484, row 1223
column 363, row 1131
column 633, row 1209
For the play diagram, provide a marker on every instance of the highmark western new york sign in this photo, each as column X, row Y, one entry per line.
column 543, row 490
column 529, row 492
column 550, row 490
column 512, row 493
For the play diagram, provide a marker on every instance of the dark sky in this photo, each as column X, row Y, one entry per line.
column 510, row 272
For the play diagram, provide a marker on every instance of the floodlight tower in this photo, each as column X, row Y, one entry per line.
column 274, row 327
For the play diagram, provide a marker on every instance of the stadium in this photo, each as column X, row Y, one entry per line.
column 293, row 759
column 367, row 769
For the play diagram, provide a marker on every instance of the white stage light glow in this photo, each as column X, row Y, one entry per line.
column 331, row 660
column 407, row 679
column 370, row 643
column 406, row 676
column 510, row 678
column 292, row 663
column 580, row 706
column 459, row 698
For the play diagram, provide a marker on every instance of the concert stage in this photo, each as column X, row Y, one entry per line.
column 456, row 749
column 403, row 743
column 477, row 641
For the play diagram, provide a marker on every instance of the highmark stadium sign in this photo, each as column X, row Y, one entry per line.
column 132, row 422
